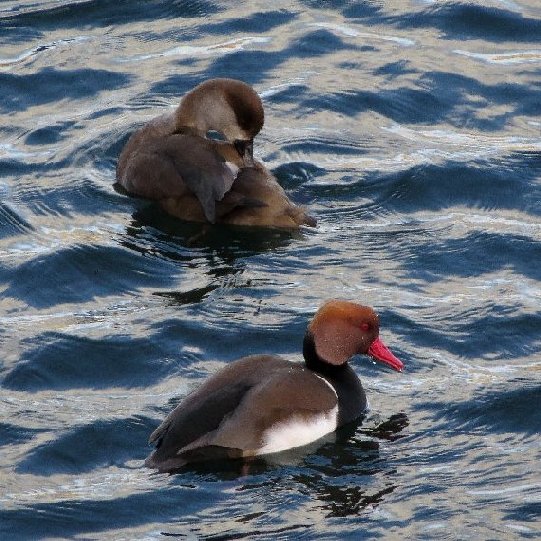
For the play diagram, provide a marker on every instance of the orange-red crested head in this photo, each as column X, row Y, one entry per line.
column 341, row 329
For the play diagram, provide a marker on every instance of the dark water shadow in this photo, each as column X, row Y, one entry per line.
column 12, row 223
column 526, row 512
column 392, row 70
column 31, row 22
column 227, row 337
column 461, row 20
column 505, row 183
column 19, row 92
column 254, row 66
column 260, row 22
column 475, row 254
column 81, row 273
column 494, row 332
column 11, row 434
column 251, row 66
column 437, row 97
column 49, row 135
column 357, row 10
column 177, row 85
column 99, row 444
column 72, row 517
column 463, row 95
column 319, row 43
column 191, row 296
column 295, row 175
column 58, row 361
column 403, row 105
column 102, row 150
column 77, row 197
column 495, row 411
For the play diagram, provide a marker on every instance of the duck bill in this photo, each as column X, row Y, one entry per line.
column 246, row 151
column 379, row 351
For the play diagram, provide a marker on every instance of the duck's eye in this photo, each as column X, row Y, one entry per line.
column 365, row 326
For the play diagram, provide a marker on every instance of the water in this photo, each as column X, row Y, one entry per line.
column 411, row 130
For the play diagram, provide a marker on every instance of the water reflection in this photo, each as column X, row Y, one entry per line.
column 341, row 474
column 192, row 296
column 344, row 501
column 226, row 241
column 334, row 455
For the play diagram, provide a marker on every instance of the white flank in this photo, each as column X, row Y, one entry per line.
column 298, row 432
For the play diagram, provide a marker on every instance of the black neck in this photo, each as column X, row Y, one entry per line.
column 314, row 361
column 348, row 387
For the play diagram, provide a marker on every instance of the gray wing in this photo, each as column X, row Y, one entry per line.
column 216, row 398
column 192, row 419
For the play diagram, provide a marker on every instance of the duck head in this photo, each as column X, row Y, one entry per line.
column 342, row 329
column 228, row 106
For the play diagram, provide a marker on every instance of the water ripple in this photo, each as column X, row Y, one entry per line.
column 410, row 131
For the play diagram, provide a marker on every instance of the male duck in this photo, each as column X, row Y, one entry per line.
column 264, row 404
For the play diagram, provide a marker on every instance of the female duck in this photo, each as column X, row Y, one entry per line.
column 171, row 160
column 264, row 404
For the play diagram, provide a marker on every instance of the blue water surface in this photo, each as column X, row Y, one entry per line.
column 410, row 129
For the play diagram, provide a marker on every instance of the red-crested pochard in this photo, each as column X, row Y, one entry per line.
column 264, row 404
column 198, row 179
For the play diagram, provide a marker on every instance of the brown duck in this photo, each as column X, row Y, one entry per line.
column 171, row 160
column 264, row 404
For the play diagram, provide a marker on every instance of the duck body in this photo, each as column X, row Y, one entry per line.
column 171, row 160
column 254, row 199
column 256, row 405
column 263, row 404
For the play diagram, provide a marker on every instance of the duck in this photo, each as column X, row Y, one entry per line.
column 264, row 404
column 174, row 160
